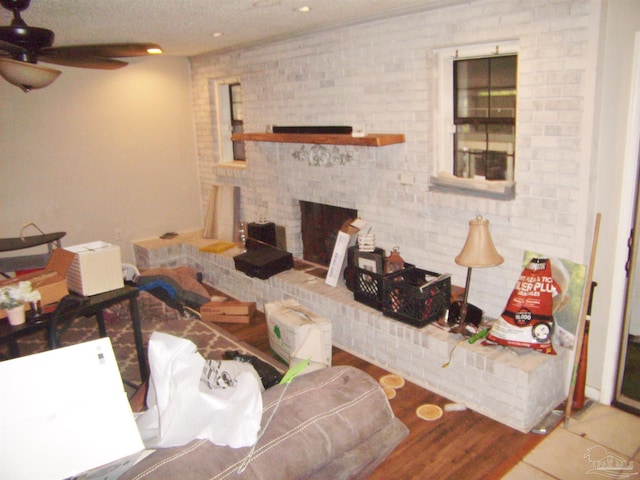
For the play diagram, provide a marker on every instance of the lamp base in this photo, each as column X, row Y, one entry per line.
column 464, row 329
column 467, row 316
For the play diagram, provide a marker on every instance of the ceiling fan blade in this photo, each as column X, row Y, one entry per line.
column 11, row 48
column 103, row 50
column 100, row 63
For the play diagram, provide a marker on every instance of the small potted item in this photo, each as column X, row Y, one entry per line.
column 13, row 299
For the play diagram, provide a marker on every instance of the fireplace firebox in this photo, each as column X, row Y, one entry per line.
column 320, row 224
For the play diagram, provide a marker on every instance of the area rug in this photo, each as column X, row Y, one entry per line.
column 211, row 340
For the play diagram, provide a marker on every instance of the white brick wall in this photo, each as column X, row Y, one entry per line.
column 380, row 76
column 517, row 390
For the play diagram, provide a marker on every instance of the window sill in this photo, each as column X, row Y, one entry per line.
column 497, row 189
column 231, row 172
column 236, row 164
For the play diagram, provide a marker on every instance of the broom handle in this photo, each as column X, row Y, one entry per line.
column 582, row 321
column 578, row 396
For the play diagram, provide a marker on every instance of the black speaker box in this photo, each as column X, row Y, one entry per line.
column 262, row 260
column 320, row 129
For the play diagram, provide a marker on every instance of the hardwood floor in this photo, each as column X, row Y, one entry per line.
column 461, row 445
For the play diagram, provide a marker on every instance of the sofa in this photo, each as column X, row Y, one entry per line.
column 331, row 423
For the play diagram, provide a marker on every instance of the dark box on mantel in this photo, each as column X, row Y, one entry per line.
column 262, row 260
column 265, row 232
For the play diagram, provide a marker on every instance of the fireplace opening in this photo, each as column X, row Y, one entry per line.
column 320, row 226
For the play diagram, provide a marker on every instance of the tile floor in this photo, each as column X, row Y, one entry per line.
column 604, row 442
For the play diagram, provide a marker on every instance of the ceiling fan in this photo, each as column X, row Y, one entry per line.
column 22, row 47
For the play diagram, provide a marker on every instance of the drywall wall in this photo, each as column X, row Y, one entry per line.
column 102, row 155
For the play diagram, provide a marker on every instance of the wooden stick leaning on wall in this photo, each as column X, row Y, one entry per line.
column 581, row 323
column 219, row 220
column 209, row 223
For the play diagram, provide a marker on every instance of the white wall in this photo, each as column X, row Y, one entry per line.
column 380, row 76
column 102, row 155
column 616, row 143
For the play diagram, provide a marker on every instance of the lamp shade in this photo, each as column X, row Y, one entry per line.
column 478, row 250
column 27, row 75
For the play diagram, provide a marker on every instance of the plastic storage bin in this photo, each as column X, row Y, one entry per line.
column 416, row 296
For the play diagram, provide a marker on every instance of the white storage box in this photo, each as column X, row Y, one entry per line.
column 84, row 429
column 346, row 238
column 96, row 268
column 290, row 324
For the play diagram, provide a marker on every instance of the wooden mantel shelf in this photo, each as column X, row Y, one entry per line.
column 370, row 140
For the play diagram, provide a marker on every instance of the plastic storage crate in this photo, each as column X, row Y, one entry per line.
column 416, row 296
column 368, row 287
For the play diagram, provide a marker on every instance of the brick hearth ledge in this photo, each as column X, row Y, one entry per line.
column 517, row 390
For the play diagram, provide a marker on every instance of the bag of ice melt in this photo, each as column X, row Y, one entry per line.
column 527, row 320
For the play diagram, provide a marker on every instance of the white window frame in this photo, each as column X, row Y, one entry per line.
column 445, row 128
column 223, row 107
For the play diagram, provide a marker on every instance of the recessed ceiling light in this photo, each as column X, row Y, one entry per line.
column 217, row 34
column 304, row 9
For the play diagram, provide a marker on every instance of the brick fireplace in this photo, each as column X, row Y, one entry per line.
column 319, row 224
column 282, row 178
column 515, row 390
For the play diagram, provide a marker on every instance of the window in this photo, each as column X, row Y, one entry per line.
column 235, row 101
column 484, row 117
column 228, row 95
column 475, row 147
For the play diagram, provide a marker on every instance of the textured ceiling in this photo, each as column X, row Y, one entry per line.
column 186, row 27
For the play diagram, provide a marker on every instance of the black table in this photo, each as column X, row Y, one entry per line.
column 94, row 305
column 97, row 304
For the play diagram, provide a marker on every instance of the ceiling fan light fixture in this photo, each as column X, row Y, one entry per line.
column 154, row 51
column 25, row 75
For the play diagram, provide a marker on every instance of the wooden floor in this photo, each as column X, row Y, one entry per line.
column 461, row 445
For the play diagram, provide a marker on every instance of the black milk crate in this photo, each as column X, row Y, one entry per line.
column 368, row 287
column 416, row 296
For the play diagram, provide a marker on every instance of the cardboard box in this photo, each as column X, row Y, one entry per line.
column 96, row 268
column 289, row 325
column 50, row 282
column 345, row 239
column 229, row 311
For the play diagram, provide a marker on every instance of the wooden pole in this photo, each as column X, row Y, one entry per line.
column 579, row 394
column 582, row 321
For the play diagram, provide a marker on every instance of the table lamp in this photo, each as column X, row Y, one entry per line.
column 477, row 252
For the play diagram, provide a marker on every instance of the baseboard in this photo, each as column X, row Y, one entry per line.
column 593, row 393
